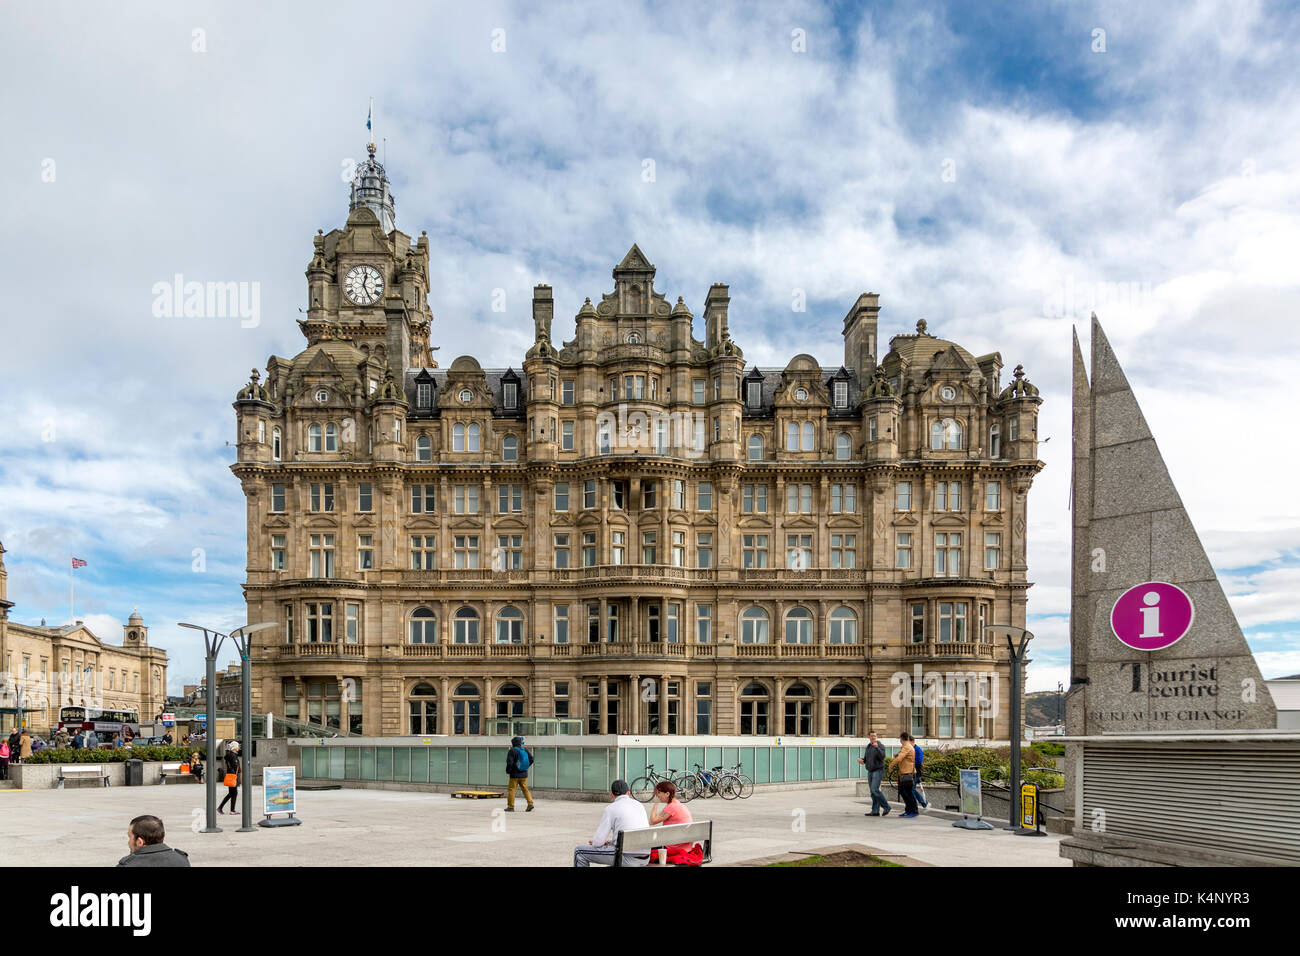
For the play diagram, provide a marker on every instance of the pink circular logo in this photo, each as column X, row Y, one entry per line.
column 1152, row 616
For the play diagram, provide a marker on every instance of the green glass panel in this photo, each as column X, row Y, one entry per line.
column 746, row 758
column 419, row 757
column 478, row 765
column 308, row 755
column 384, row 760
column 496, row 767
column 694, row 755
column 712, row 757
column 776, row 770
column 791, row 764
column 437, row 764
column 367, row 763
column 570, row 768
column 730, row 756
column 336, row 761
column 846, row 763
column 457, row 765
column 656, row 757
column 544, row 768
column 675, row 760
column 819, row 764
column 762, row 772
column 401, row 763
column 351, row 763
column 595, row 769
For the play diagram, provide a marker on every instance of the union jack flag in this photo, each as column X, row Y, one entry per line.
column 78, row 563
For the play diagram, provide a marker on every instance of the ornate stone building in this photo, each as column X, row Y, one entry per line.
column 45, row 668
column 634, row 529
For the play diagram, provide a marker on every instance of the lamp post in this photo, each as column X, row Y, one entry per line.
column 1017, row 641
column 243, row 642
column 212, row 641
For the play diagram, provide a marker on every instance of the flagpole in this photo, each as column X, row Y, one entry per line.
column 72, row 604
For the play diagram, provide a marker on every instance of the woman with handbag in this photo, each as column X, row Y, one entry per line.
column 232, row 776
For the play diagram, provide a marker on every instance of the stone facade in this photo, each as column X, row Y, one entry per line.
column 45, row 668
column 636, row 529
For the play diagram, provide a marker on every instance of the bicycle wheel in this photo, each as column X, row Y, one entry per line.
column 686, row 787
column 643, row 789
column 730, row 787
column 746, row 785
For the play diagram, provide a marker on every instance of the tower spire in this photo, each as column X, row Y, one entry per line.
column 370, row 182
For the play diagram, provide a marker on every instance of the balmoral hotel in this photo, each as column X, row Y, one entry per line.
column 633, row 531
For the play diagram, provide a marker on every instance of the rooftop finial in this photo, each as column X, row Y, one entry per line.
column 920, row 327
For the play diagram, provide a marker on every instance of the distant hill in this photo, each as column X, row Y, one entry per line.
column 1044, row 708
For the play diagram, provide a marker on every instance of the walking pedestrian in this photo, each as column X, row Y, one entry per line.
column 24, row 746
column 91, row 740
column 4, row 760
column 623, row 813
column 519, row 760
column 232, row 776
column 874, row 761
column 905, row 761
column 918, row 785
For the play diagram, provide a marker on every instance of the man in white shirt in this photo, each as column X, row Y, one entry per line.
column 624, row 813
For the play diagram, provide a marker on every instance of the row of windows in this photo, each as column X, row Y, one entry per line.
column 754, row 497
column 509, row 551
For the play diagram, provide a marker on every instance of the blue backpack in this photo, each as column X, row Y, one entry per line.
column 522, row 760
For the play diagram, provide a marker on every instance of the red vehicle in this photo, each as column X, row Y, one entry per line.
column 105, row 723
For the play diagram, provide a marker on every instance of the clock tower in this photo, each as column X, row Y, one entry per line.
column 368, row 283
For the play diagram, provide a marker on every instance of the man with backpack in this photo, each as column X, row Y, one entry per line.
column 519, row 761
column 918, row 789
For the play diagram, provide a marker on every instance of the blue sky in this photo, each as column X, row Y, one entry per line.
column 1150, row 176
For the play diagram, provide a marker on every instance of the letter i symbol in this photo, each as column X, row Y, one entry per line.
column 1151, row 615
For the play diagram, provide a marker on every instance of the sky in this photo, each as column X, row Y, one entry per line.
column 1000, row 171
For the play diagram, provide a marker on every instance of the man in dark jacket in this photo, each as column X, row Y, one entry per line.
column 518, row 762
column 145, row 838
column 874, row 760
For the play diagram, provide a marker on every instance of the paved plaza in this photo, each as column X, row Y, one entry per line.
column 86, row 826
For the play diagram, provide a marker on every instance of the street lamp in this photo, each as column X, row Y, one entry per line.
column 212, row 641
column 1017, row 641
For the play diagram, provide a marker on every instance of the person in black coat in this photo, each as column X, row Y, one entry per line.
column 232, row 766
column 874, row 761
column 518, row 762
column 145, row 838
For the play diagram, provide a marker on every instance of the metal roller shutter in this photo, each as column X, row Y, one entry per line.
column 1236, row 798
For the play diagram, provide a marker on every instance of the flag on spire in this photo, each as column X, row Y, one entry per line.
column 78, row 563
column 369, row 120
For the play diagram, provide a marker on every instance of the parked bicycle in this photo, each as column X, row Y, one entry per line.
column 708, row 783
column 643, row 788
column 745, row 780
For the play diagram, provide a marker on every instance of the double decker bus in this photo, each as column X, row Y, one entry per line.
column 105, row 723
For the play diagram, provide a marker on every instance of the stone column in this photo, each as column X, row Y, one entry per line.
column 634, row 711
column 663, row 704
column 604, row 704
column 444, row 705
column 822, row 719
column 489, row 713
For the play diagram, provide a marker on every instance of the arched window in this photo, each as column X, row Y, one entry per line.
column 424, row 626
column 945, row 434
column 754, row 701
column 807, row 443
column 422, row 707
column 509, row 704
column 472, row 437
column 510, row 626
column 424, row 448
column 313, row 438
column 510, row 448
column 755, row 447
column 792, row 436
column 842, row 711
column 798, row 710
column 798, row 626
column 466, row 713
column 995, row 440
column 843, row 447
column 331, row 437
column 276, row 444
column 458, row 438
column 465, row 627
column 754, row 626
column 844, row 626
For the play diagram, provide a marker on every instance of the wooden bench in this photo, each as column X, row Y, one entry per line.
column 83, row 772
column 637, row 841
column 174, row 770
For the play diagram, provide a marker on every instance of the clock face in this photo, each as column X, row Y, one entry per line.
column 363, row 285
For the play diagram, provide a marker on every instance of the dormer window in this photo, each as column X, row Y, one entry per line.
column 841, row 394
column 510, row 395
column 423, row 394
column 754, row 395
